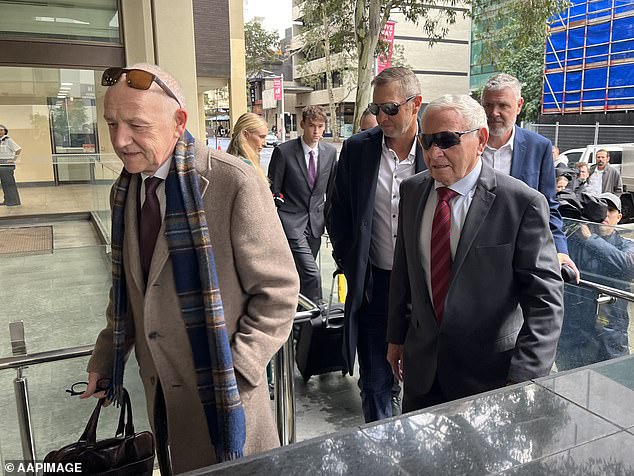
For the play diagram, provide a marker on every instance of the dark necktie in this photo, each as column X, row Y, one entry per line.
column 150, row 223
column 311, row 169
column 440, row 260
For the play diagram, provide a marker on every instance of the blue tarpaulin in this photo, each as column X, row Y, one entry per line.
column 590, row 58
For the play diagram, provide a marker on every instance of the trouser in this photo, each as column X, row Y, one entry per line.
column 374, row 370
column 305, row 251
column 9, row 187
column 161, row 435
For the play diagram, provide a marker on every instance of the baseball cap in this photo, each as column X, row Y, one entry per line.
column 612, row 200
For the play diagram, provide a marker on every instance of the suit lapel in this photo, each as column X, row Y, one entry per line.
column 301, row 160
column 322, row 162
column 161, row 249
column 519, row 152
column 423, row 192
column 368, row 174
column 480, row 206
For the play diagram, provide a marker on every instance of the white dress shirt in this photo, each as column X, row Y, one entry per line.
column 385, row 218
column 161, row 173
column 465, row 187
column 500, row 159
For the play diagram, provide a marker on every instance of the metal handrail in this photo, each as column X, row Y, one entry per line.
column 568, row 276
column 283, row 386
column 44, row 357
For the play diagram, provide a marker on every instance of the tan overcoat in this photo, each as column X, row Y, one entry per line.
column 259, row 288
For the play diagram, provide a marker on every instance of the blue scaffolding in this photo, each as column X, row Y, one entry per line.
column 589, row 58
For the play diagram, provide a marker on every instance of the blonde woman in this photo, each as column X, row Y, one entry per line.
column 248, row 139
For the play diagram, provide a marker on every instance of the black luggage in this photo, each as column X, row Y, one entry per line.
column 320, row 342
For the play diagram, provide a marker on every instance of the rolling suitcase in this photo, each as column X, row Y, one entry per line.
column 320, row 342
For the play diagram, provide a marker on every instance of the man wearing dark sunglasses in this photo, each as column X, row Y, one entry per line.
column 195, row 239
column 363, row 222
column 476, row 292
column 520, row 153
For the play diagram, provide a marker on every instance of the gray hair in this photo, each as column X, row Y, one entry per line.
column 404, row 76
column 166, row 77
column 467, row 107
column 502, row 81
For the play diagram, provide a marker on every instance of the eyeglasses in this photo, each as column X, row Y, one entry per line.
column 80, row 387
column 389, row 108
column 443, row 140
column 137, row 79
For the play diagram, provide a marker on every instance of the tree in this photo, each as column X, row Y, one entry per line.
column 262, row 46
column 360, row 23
column 513, row 34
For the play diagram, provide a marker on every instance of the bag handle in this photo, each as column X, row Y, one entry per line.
column 125, row 426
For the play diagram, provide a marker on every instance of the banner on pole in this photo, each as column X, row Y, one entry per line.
column 277, row 89
column 387, row 35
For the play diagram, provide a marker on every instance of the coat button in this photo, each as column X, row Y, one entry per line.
column 153, row 335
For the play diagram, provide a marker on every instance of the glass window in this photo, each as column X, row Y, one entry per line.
column 84, row 20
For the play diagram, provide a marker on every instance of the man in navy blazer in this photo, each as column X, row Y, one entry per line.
column 363, row 222
column 522, row 154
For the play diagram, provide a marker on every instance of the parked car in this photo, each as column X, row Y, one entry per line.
column 272, row 140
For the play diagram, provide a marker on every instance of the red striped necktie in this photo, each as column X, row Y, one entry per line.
column 441, row 250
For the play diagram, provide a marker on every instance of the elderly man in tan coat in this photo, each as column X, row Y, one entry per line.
column 204, row 285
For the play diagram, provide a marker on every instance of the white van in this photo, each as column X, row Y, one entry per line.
column 586, row 154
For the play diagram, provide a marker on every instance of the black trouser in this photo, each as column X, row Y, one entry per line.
column 305, row 251
column 9, row 187
column 161, row 435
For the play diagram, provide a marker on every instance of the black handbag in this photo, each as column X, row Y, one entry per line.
column 127, row 454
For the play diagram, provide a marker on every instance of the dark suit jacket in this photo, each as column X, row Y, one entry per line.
column 503, row 312
column 302, row 208
column 533, row 164
column 350, row 221
column 611, row 180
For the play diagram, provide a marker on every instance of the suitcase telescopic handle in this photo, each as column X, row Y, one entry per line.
column 335, row 273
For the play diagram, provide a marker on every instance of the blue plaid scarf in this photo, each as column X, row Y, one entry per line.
column 197, row 287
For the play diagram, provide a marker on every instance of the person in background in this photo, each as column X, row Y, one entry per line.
column 364, row 216
column 203, row 281
column 476, row 292
column 559, row 160
column 248, row 139
column 604, row 177
column 368, row 121
column 302, row 172
column 520, row 153
column 562, row 183
column 9, row 153
column 607, row 258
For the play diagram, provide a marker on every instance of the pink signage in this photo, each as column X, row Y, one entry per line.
column 277, row 89
column 387, row 35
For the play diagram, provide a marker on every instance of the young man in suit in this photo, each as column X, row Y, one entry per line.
column 476, row 292
column 302, row 173
column 362, row 226
column 522, row 154
column 195, row 240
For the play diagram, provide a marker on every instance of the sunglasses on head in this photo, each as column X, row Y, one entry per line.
column 389, row 108
column 137, row 79
column 443, row 140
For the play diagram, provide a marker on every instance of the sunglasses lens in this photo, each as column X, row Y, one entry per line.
column 111, row 76
column 373, row 108
column 390, row 109
column 443, row 140
column 140, row 79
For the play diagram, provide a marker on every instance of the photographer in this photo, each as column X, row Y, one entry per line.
column 604, row 257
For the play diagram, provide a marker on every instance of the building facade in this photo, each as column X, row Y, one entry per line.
column 52, row 56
